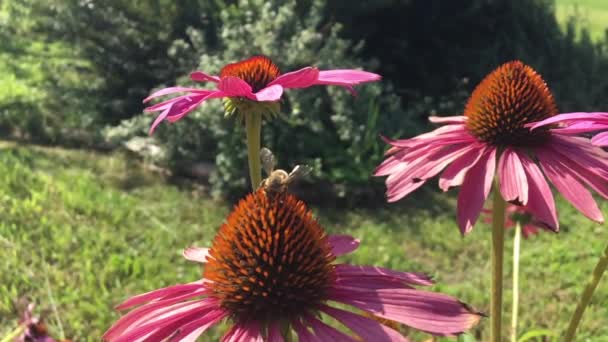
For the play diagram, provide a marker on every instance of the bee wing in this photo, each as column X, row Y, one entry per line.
column 299, row 171
column 268, row 161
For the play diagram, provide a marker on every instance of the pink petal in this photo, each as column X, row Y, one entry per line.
column 540, row 198
column 454, row 174
column 191, row 331
column 166, row 292
column 342, row 244
column 274, row 333
column 271, row 93
column 181, row 106
column 346, row 77
column 200, row 76
column 475, row 189
column 303, row 334
column 241, row 332
column 513, row 183
column 302, row 78
column 367, row 328
column 600, row 140
column 164, row 325
column 598, row 182
column 196, row 254
column 568, row 185
column 343, row 270
column 172, row 90
column 431, row 312
column 326, row 333
column 459, row 119
column 236, row 87
column 570, row 117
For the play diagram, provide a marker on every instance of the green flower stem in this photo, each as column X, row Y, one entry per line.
column 514, row 312
column 253, row 124
column 600, row 267
column 498, row 246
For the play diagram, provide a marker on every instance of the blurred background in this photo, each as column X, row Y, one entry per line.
column 93, row 210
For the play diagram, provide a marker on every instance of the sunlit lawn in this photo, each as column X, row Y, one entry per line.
column 592, row 14
column 83, row 231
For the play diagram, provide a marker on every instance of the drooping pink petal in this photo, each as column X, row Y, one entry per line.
column 344, row 270
column 475, row 189
column 244, row 331
column 369, row 283
column 597, row 181
column 582, row 153
column 200, row 76
column 271, row 93
column 568, row 185
column 196, row 254
column 302, row 78
column 513, row 182
column 459, row 119
column 342, row 244
column 326, row 333
column 580, row 127
column 600, row 139
column 165, row 292
column 274, row 333
column 179, row 107
column 190, row 332
column 540, row 198
column 454, row 174
column 235, row 87
column 431, row 312
column 141, row 315
column 165, row 324
column 367, row 328
column 172, row 90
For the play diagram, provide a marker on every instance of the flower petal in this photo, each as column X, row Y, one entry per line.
column 345, row 77
column 271, row 93
column 568, row 185
column 344, row 270
column 240, row 332
column 368, row 329
column 475, row 189
column 164, row 293
column 600, row 140
column 458, row 119
column 302, row 78
column 454, row 174
column 303, row 334
column 540, row 198
column 571, row 117
column 200, row 76
column 274, row 333
column 326, row 333
column 342, row 244
column 172, row 90
column 190, row 332
column 513, row 183
column 196, row 254
column 235, row 87
column 431, row 312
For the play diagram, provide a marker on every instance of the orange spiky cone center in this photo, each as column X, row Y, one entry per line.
column 505, row 101
column 271, row 260
column 257, row 71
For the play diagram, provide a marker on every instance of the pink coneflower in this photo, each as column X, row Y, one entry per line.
column 492, row 137
column 251, row 85
column 515, row 214
column 271, row 270
column 577, row 123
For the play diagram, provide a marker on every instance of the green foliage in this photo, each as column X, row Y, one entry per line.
column 100, row 228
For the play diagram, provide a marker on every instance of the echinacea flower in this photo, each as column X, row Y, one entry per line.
column 516, row 214
column 252, row 85
column 34, row 329
column 271, row 270
column 577, row 123
column 493, row 137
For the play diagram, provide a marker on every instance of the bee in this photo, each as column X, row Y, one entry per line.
column 278, row 180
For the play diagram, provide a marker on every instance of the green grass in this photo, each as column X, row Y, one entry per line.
column 83, row 231
column 592, row 14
